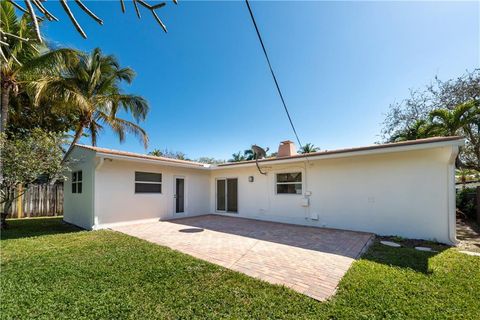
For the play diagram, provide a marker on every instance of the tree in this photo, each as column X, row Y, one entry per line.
column 23, row 60
column 249, row 154
column 156, row 153
column 308, row 148
column 28, row 159
column 443, row 108
column 236, row 157
column 209, row 160
column 439, row 95
column 420, row 129
column 168, row 154
column 37, row 13
column 451, row 122
column 92, row 88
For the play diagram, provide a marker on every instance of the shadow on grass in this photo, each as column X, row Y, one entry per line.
column 33, row 227
column 406, row 256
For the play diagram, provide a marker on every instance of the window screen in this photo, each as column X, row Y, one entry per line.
column 148, row 182
column 289, row 183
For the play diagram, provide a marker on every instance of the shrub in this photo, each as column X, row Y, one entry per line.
column 467, row 201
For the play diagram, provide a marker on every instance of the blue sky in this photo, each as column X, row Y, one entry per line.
column 339, row 64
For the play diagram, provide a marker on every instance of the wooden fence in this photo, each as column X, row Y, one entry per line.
column 39, row 201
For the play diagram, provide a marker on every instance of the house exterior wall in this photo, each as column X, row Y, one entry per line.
column 116, row 200
column 401, row 193
column 78, row 207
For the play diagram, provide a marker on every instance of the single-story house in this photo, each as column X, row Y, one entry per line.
column 405, row 189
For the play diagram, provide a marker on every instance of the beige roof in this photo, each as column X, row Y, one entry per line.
column 139, row 155
column 297, row 156
column 348, row 150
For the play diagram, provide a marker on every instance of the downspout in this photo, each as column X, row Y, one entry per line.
column 451, row 196
column 97, row 167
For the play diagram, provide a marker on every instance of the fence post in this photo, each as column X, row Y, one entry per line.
column 478, row 205
column 20, row 202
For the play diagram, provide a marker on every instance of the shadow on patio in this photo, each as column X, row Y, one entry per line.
column 335, row 241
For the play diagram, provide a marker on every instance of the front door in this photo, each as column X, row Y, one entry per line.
column 179, row 195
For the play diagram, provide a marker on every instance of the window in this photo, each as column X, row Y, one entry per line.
column 147, row 182
column 77, row 182
column 290, row 183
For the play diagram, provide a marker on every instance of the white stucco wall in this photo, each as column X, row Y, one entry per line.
column 78, row 207
column 402, row 193
column 117, row 202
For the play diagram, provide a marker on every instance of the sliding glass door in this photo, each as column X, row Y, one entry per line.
column 227, row 195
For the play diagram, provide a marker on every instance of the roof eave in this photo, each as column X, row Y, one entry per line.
column 151, row 161
column 344, row 154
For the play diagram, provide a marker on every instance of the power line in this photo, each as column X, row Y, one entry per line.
column 273, row 73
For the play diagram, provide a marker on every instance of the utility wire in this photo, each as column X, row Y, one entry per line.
column 273, row 73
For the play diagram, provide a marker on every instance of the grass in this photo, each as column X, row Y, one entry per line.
column 52, row 270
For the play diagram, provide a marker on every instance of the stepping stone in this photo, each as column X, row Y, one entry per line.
column 470, row 253
column 424, row 249
column 390, row 244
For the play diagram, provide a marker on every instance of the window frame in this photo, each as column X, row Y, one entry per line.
column 77, row 182
column 135, row 182
column 226, row 211
column 289, row 183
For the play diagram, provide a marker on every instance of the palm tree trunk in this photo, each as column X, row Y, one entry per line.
column 4, row 106
column 76, row 137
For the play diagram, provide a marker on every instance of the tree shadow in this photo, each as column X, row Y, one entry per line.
column 34, row 227
column 406, row 256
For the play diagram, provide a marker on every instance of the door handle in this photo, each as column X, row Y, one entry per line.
column 174, row 196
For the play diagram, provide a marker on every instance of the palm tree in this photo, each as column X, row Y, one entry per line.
column 92, row 88
column 308, row 148
column 156, row 153
column 249, row 154
column 450, row 122
column 420, row 129
column 23, row 59
column 236, row 157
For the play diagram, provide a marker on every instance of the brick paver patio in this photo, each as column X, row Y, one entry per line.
column 309, row 260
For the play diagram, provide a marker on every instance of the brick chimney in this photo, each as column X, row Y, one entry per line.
column 286, row 148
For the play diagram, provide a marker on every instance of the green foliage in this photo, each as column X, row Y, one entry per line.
column 92, row 88
column 105, row 274
column 466, row 201
column 443, row 109
column 168, row 154
column 209, row 160
column 23, row 62
column 34, row 157
column 239, row 156
column 308, row 148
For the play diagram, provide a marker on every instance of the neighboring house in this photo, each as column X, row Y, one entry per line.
column 405, row 189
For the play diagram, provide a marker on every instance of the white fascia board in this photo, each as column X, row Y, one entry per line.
column 151, row 161
column 353, row 153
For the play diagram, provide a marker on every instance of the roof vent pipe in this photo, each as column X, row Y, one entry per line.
column 286, row 149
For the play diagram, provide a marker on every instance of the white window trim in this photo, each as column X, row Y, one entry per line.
column 297, row 182
column 135, row 181
column 76, row 182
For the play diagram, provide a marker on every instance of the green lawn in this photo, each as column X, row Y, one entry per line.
column 53, row 271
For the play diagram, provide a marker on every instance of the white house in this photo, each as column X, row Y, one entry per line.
column 405, row 189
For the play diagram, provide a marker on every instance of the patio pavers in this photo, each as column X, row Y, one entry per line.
column 309, row 260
